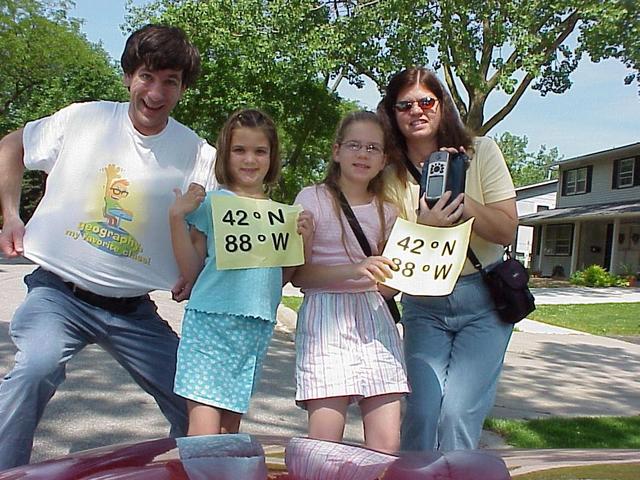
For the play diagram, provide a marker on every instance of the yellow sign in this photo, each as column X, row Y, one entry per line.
column 428, row 260
column 253, row 233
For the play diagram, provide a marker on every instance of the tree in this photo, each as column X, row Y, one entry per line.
column 46, row 64
column 480, row 46
column 269, row 55
column 508, row 45
column 527, row 168
column 290, row 56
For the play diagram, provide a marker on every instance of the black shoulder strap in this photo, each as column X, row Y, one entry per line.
column 473, row 259
column 476, row 263
column 366, row 248
column 413, row 170
column 355, row 225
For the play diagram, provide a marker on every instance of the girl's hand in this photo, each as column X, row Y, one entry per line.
column 305, row 225
column 376, row 268
column 181, row 290
column 189, row 201
column 306, row 228
column 441, row 215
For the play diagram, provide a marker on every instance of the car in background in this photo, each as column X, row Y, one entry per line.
column 243, row 456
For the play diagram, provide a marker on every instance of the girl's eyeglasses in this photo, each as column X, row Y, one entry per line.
column 371, row 148
column 426, row 103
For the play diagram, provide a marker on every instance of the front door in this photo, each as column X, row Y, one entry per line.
column 607, row 247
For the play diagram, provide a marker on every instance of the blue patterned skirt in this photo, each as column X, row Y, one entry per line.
column 220, row 358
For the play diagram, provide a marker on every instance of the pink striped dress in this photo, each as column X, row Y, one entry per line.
column 346, row 341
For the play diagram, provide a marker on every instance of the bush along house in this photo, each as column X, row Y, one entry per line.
column 597, row 216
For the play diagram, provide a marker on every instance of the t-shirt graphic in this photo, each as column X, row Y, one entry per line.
column 109, row 235
column 103, row 221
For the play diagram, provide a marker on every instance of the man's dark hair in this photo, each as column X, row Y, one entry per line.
column 160, row 47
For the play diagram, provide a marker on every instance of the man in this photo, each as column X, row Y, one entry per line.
column 100, row 234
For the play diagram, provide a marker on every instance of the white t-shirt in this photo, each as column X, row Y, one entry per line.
column 103, row 222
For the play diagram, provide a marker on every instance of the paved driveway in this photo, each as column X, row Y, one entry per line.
column 544, row 374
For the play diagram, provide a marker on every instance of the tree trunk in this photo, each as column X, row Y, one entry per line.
column 474, row 119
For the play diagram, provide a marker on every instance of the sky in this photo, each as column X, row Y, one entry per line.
column 597, row 113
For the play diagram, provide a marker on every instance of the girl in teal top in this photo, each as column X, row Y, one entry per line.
column 225, row 333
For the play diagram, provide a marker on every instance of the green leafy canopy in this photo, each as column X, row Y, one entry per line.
column 46, row 64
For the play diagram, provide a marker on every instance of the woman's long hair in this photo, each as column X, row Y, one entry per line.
column 451, row 131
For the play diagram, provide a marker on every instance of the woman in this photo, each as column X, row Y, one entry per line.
column 454, row 345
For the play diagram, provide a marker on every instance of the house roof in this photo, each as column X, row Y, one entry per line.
column 583, row 212
column 630, row 150
column 536, row 185
column 542, row 188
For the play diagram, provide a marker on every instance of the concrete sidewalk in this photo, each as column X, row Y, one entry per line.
column 552, row 296
column 545, row 374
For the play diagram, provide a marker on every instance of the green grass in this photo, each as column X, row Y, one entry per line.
column 292, row 302
column 588, row 432
column 577, row 432
column 598, row 318
column 618, row 471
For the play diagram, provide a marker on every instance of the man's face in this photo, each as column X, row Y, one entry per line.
column 153, row 95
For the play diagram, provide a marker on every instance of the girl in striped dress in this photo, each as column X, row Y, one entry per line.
column 347, row 346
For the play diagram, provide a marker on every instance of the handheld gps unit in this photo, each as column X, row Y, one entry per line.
column 442, row 172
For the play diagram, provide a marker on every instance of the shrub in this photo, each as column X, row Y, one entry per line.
column 596, row 276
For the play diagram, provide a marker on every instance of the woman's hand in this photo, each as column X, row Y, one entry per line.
column 375, row 268
column 441, row 215
column 187, row 202
column 453, row 150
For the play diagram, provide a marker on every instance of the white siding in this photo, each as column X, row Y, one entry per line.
column 524, row 240
column 601, row 187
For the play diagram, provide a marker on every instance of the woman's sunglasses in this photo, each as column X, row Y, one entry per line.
column 426, row 103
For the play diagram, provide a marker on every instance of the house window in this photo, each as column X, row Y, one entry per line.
column 624, row 173
column 541, row 208
column 558, row 239
column 576, row 181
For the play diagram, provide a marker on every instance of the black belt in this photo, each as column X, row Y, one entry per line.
column 121, row 305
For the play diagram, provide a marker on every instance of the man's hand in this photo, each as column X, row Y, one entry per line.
column 181, row 290
column 11, row 237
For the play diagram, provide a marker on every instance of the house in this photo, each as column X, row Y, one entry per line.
column 531, row 199
column 597, row 215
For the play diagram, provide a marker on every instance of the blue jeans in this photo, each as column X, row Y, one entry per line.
column 454, row 349
column 49, row 328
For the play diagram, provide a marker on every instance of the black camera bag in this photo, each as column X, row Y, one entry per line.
column 507, row 282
